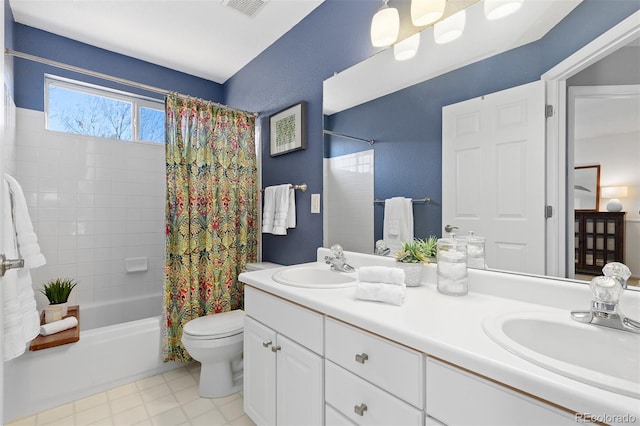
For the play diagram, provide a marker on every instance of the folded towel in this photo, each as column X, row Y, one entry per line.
column 398, row 222
column 269, row 209
column 380, row 292
column 381, row 274
column 58, row 326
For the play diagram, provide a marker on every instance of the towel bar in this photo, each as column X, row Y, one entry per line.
column 425, row 200
column 302, row 187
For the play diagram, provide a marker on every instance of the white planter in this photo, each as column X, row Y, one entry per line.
column 55, row 312
column 412, row 273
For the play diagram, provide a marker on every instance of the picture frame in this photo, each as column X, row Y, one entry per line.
column 288, row 132
column 586, row 188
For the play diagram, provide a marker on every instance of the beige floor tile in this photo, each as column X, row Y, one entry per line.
column 183, row 382
column 90, row 402
column 66, row 421
column 210, row 418
column 54, row 414
column 174, row 416
column 91, row 415
column 123, row 390
column 160, row 405
column 150, row 382
column 198, row 407
column 232, row 410
column 104, row 422
column 126, row 402
column 155, row 392
column 25, row 421
column 242, row 421
column 131, row 416
column 227, row 399
column 175, row 373
column 186, row 395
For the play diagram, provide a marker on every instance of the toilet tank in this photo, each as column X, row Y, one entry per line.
column 259, row 266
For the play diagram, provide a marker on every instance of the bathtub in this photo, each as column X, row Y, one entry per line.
column 107, row 355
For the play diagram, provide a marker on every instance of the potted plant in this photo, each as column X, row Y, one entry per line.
column 413, row 255
column 57, row 292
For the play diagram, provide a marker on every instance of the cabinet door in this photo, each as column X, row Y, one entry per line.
column 259, row 372
column 300, row 396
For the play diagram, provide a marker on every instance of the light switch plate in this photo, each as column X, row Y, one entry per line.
column 315, row 203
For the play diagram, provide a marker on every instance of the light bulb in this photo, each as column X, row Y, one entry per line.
column 450, row 28
column 385, row 26
column 496, row 9
column 425, row 12
column 407, row 48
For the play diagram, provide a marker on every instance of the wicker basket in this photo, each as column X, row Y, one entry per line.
column 412, row 273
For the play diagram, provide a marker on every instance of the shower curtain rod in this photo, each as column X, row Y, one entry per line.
column 29, row 57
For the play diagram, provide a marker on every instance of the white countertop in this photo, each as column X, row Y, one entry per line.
column 450, row 328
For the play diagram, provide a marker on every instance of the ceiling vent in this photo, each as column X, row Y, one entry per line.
column 247, row 7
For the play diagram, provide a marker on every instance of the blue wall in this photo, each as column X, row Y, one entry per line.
column 29, row 76
column 406, row 125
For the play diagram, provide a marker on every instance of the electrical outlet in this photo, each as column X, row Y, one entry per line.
column 315, row 203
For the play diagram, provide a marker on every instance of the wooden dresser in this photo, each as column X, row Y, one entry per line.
column 599, row 239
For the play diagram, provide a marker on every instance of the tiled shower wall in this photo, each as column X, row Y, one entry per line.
column 94, row 203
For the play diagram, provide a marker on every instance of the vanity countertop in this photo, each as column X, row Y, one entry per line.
column 450, row 328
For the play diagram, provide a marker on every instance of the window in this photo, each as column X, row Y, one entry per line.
column 80, row 108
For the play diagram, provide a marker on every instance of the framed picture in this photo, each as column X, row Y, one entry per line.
column 288, row 130
column 586, row 188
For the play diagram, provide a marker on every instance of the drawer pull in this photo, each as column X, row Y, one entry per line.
column 267, row 343
column 275, row 348
column 361, row 358
column 360, row 409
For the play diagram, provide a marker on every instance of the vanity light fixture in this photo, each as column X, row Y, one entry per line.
column 613, row 193
column 450, row 28
column 385, row 26
column 496, row 9
column 425, row 12
column 407, row 48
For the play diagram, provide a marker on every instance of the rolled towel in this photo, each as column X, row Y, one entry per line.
column 381, row 292
column 381, row 274
column 58, row 326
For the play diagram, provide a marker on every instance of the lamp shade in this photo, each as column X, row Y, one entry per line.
column 496, row 9
column 385, row 26
column 450, row 28
column 425, row 12
column 613, row 193
column 407, row 48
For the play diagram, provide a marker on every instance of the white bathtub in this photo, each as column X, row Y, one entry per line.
column 106, row 356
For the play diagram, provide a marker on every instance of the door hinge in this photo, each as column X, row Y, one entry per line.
column 548, row 111
column 548, row 212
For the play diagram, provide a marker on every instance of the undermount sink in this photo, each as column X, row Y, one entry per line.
column 603, row 357
column 316, row 275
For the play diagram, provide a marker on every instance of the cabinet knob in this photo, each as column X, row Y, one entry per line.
column 361, row 358
column 267, row 343
column 275, row 348
column 360, row 409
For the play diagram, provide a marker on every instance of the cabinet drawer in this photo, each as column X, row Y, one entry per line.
column 395, row 368
column 297, row 323
column 333, row 417
column 457, row 397
column 345, row 392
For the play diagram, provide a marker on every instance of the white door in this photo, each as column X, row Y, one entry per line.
column 492, row 180
column 300, row 394
column 259, row 373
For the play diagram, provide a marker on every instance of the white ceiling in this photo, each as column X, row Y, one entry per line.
column 204, row 38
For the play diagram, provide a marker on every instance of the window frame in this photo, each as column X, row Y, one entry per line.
column 137, row 102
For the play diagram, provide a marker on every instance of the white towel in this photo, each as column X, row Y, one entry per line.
column 58, row 326
column 398, row 222
column 20, row 316
column 279, row 211
column 380, row 292
column 381, row 274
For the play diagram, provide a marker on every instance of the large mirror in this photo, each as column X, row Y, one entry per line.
column 383, row 138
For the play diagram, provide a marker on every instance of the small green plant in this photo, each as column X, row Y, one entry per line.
column 58, row 290
column 417, row 250
column 430, row 246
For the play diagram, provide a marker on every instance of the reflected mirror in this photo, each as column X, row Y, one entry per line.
column 383, row 122
column 586, row 188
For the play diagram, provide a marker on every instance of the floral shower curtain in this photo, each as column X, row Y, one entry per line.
column 211, row 212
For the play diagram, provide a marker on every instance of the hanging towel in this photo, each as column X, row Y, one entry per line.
column 381, row 292
column 20, row 315
column 398, row 222
column 279, row 211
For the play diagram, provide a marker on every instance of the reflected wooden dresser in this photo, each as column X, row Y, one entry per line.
column 599, row 239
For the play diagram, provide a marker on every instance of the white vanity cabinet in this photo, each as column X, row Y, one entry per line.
column 370, row 380
column 283, row 368
column 455, row 396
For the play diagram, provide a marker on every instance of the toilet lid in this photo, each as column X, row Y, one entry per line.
column 216, row 326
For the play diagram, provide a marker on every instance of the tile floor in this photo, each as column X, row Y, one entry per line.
column 170, row 398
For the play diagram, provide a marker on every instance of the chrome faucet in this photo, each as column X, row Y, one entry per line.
column 337, row 260
column 607, row 290
column 381, row 248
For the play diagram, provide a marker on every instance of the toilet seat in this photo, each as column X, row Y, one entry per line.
column 216, row 326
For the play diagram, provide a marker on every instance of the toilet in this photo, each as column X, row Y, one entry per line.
column 216, row 342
